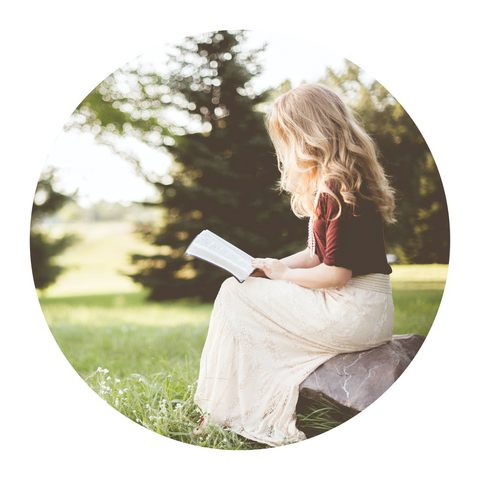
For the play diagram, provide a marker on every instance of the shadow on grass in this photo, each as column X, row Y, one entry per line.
column 315, row 418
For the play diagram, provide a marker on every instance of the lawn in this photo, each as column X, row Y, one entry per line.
column 149, row 351
column 417, row 293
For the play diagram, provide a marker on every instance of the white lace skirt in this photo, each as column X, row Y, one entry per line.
column 266, row 336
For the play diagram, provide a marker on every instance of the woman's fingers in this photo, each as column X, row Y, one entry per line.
column 259, row 263
column 273, row 268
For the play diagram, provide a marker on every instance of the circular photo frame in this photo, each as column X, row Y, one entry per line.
column 60, row 365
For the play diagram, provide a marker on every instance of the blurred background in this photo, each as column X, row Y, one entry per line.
column 173, row 143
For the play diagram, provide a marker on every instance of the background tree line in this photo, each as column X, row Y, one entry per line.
column 44, row 248
column 224, row 170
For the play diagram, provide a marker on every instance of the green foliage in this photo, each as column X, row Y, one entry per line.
column 205, row 114
column 422, row 233
column 44, row 248
column 225, row 175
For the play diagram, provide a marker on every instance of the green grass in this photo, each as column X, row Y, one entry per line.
column 417, row 293
column 164, row 404
column 125, row 334
column 101, row 321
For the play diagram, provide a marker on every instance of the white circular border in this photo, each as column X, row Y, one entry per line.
column 21, row 230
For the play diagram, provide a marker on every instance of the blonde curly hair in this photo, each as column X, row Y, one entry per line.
column 319, row 143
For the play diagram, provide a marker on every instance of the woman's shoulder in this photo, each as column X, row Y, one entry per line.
column 331, row 195
column 330, row 202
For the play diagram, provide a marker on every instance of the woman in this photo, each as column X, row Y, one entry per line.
column 268, row 334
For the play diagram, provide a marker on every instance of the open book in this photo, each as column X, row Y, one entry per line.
column 217, row 251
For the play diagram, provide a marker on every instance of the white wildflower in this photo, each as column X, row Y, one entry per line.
column 108, row 378
column 120, row 392
column 117, row 380
column 105, row 370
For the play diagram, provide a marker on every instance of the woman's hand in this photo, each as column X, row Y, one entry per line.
column 321, row 276
column 273, row 268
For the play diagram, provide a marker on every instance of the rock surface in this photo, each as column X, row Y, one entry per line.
column 353, row 381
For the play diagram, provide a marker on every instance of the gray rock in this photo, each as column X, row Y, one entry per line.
column 353, row 381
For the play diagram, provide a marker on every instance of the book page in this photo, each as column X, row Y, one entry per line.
column 216, row 250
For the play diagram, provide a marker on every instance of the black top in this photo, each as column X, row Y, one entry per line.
column 353, row 242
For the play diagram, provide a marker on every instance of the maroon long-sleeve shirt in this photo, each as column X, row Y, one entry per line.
column 353, row 242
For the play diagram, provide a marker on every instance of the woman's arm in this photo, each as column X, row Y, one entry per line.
column 320, row 276
column 297, row 260
column 301, row 260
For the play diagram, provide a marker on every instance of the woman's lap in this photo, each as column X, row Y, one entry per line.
column 265, row 337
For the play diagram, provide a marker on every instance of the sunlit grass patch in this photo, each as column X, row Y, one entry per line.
column 419, row 277
column 127, row 336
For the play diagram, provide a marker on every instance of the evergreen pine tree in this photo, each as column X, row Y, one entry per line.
column 224, row 176
column 44, row 248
